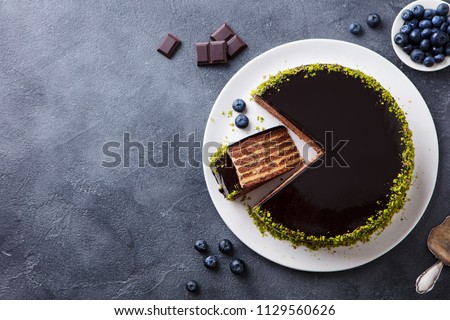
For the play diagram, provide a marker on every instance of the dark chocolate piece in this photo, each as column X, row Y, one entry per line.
column 213, row 52
column 234, row 43
column 169, row 45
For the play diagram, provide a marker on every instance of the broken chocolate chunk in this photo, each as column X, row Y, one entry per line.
column 169, row 45
column 234, row 43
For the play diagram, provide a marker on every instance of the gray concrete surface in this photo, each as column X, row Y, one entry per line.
column 77, row 74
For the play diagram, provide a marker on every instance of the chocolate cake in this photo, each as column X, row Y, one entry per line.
column 361, row 181
column 250, row 162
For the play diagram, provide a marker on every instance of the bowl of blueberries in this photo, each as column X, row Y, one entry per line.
column 421, row 35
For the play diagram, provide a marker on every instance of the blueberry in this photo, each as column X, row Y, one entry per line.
column 414, row 36
column 407, row 15
column 241, row 121
column 225, row 246
column 418, row 11
column 439, row 58
column 355, row 28
column 201, row 246
column 429, row 14
column 439, row 39
column 434, row 30
column 414, row 23
column 448, row 29
column 211, row 262
column 444, row 27
column 192, row 286
column 437, row 21
column 426, row 33
column 428, row 62
column 417, row 55
column 237, row 266
column 408, row 48
column 425, row 44
column 437, row 50
column 442, row 9
column 239, row 105
column 448, row 19
column 425, row 24
column 401, row 39
column 406, row 28
column 447, row 50
column 373, row 20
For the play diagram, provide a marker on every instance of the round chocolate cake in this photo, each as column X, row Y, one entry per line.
column 360, row 182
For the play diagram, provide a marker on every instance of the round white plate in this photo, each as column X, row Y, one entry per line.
column 291, row 55
column 398, row 23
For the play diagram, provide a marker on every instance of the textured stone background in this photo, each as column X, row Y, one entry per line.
column 76, row 74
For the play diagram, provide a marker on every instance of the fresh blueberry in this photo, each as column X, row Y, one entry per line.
column 426, row 33
column 448, row 19
column 439, row 39
column 237, row 266
column 444, row 27
column 373, row 20
column 425, row 24
column 211, row 262
column 428, row 62
column 414, row 23
column 407, row 15
column 418, row 11
column 429, row 14
column 192, row 286
column 225, row 246
column 425, row 44
column 448, row 29
column 239, row 105
column 408, row 48
column 241, row 121
column 439, row 58
column 406, row 28
column 414, row 36
column 447, row 50
column 355, row 28
column 437, row 21
column 437, row 50
column 417, row 55
column 442, row 9
column 434, row 30
column 201, row 246
column 401, row 39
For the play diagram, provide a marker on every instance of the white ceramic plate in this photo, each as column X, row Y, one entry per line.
column 323, row 51
column 398, row 23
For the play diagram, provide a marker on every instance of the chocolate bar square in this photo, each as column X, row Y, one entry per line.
column 213, row 52
column 169, row 45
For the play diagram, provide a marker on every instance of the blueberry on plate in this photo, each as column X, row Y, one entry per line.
column 201, row 246
column 444, row 27
column 429, row 14
column 407, row 15
column 241, row 121
column 239, row 105
column 414, row 23
column 439, row 39
column 418, row 11
column 425, row 44
column 448, row 30
column 211, row 262
column 408, row 48
column 373, row 20
column 237, row 266
column 425, row 24
column 401, row 39
column 192, row 286
column 448, row 19
column 417, row 55
column 426, row 33
column 447, row 50
column 428, row 62
column 442, row 9
column 439, row 58
column 355, row 28
column 414, row 36
column 437, row 50
column 406, row 28
column 225, row 246
column 437, row 21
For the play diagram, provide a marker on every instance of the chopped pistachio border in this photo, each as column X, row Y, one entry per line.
column 397, row 197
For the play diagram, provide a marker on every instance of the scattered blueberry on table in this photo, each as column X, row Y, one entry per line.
column 373, row 20
column 201, row 246
column 425, row 34
column 241, row 121
column 211, row 262
column 225, row 246
column 192, row 286
column 239, row 105
column 237, row 266
column 355, row 28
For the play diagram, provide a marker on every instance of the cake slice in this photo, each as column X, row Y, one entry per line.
column 250, row 162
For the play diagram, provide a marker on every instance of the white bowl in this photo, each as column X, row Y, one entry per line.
column 398, row 23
